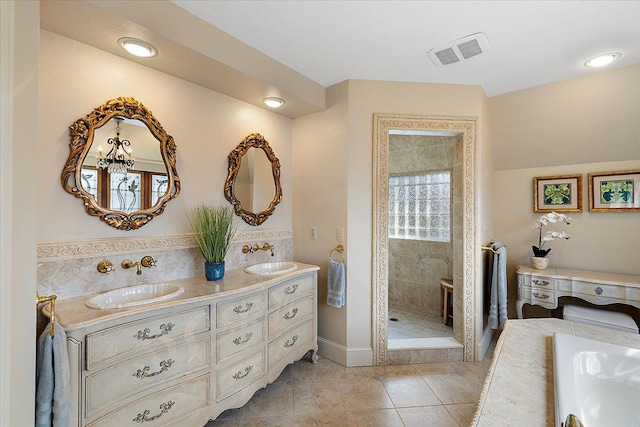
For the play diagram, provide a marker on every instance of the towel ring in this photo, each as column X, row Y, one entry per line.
column 52, row 309
column 340, row 250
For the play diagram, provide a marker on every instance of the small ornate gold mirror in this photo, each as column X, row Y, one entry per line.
column 253, row 184
column 129, row 182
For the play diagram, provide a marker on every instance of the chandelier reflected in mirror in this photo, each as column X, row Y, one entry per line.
column 119, row 159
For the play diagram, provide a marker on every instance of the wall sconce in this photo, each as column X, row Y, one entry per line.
column 118, row 159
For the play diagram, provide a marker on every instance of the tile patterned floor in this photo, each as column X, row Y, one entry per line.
column 416, row 324
column 328, row 394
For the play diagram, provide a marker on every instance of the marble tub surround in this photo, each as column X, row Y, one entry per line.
column 519, row 388
column 69, row 269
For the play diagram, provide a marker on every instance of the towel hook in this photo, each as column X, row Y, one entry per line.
column 340, row 250
column 52, row 310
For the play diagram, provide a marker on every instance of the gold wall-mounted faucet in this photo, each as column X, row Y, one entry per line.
column 105, row 267
column 146, row 261
column 256, row 248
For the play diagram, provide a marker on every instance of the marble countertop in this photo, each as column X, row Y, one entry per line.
column 519, row 387
column 72, row 313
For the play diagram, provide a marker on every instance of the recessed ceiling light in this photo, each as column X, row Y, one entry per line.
column 273, row 101
column 138, row 47
column 602, row 60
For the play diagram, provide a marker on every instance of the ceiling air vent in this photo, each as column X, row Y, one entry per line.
column 460, row 50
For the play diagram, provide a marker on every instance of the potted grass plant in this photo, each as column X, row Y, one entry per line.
column 214, row 228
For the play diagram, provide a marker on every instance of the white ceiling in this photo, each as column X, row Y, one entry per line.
column 531, row 42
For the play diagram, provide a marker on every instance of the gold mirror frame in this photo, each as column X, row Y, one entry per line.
column 255, row 140
column 82, row 133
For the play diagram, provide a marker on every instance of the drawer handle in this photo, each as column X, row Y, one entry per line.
column 289, row 316
column 246, row 308
column 541, row 296
column 144, row 372
column 599, row 290
column 144, row 335
column 290, row 290
column 164, row 408
column 540, row 282
column 239, row 340
column 291, row 342
column 239, row 375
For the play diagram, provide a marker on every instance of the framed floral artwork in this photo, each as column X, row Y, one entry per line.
column 561, row 193
column 614, row 191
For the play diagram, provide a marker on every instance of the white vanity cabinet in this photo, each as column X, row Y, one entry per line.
column 545, row 287
column 185, row 361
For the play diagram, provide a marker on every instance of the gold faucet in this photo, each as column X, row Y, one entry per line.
column 146, row 261
column 256, row 248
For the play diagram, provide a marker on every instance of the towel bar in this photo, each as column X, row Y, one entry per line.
column 52, row 310
column 340, row 250
column 490, row 248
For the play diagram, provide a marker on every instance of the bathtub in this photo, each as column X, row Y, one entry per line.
column 596, row 381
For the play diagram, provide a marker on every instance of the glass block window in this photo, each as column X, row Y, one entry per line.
column 420, row 206
column 125, row 192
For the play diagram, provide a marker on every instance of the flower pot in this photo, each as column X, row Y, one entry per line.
column 214, row 270
column 539, row 263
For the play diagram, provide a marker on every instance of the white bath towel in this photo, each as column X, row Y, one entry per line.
column 53, row 382
column 498, row 307
column 336, row 284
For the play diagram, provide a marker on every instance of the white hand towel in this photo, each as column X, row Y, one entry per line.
column 53, row 380
column 336, row 284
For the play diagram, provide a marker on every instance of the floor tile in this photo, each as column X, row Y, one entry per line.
column 410, row 391
column 318, row 397
column 432, row 416
column 463, row 413
column 366, row 393
column 375, row 418
column 275, row 400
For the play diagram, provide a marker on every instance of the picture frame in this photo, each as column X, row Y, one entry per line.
column 617, row 191
column 558, row 193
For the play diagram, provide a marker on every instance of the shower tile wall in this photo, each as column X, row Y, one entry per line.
column 416, row 266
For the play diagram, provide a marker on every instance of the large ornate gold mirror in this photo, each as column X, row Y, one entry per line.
column 253, row 183
column 122, row 164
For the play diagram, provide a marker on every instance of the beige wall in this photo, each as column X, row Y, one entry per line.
column 206, row 126
column 585, row 120
column 18, row 194
column 589, row 124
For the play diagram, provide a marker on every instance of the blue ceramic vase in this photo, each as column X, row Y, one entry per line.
column 214, row 270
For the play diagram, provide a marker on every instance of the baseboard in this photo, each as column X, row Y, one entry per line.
column 483, row 346
column 348, row 357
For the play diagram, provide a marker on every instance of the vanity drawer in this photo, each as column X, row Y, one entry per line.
column 235, row 340
column 109, row 343
column 161, row 407
column 290, row 291
column 598, row 290
column 240, row 309
column 291, row 341
column 539, row 282
column 238, row 375
column 541, row 297
column 290, row 315
column 120, row 381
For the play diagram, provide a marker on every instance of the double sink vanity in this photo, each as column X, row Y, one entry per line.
column 180, row 353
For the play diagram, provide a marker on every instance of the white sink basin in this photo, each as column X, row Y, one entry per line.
column 134, row 296
column 596, row 381
column 271, row 268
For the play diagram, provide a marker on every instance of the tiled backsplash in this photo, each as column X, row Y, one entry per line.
column 69, row 269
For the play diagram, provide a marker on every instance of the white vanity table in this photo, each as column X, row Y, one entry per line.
column 183, row 361
column 545, row 287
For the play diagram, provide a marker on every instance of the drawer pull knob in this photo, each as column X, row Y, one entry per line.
column 541, row 296
column 540, row 282
column 290, row 289
column 291, row 342
column 164, row 408
column 239, row 375
column 599, row 290
column 239, row 309
column 165, row 328
column 289, row 316
column 239, row 340
column 144, row 372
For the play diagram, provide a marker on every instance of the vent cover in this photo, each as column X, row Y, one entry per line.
column 460, row 50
